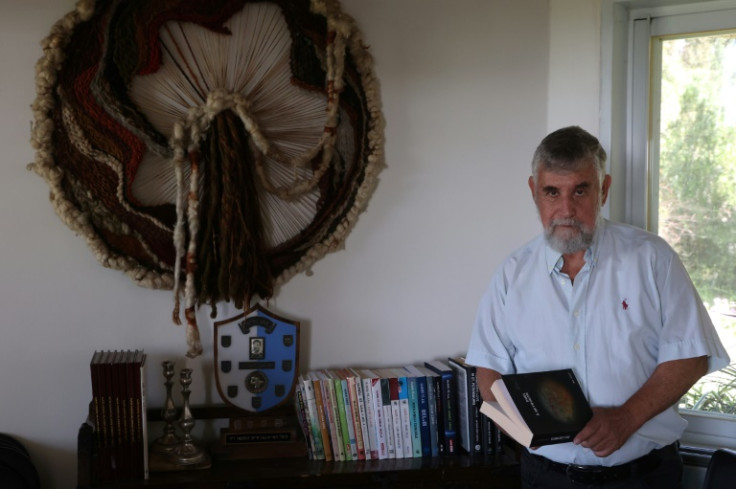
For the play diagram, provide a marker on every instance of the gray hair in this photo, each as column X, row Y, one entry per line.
column 569, row 149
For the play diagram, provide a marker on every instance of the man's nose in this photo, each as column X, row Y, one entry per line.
column 567, row 206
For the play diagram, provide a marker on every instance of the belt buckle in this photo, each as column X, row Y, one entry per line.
column 585, row 474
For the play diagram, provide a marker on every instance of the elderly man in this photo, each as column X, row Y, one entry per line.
column 610, row 301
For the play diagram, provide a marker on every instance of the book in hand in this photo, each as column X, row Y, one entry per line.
column 539, row 408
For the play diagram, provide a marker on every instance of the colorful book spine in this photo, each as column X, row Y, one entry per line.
column 393, row 383
column 435, row 416
column 300, row 408
column 314, row 435
column 380, row 415
column 388, row 416
column 343, row 415
column 370, row 414
column 405, row 413
column 328, row 393
column 350, row 395
column 422, row 404
column 321, row 416
column 362, row 413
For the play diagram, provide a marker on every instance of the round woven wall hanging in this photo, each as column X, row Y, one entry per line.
column 212, row 147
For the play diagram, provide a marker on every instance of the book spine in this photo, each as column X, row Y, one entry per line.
column 422, row 411
column 380, row 422
column 451, row 421
column 488, row 435
column 463, row 404
column 339, row 420
column 338, row 448
column 124, row 393
column 300, row 408
column 388, row 417
column 312, row 418
column 445, row 417
column 405, row 414
column 348, row 436
column 396, row 417
column 434, row 416
column 416, row 431
column 112, row 418
column 370, row 416
column 97, row 401
column 134, row 399
column 475, row 416
column 363, row 416
column 102, row 428
column 355, row 417
column 321, row 416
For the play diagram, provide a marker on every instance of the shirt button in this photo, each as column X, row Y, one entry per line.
column 577, row 346
column 576, row 313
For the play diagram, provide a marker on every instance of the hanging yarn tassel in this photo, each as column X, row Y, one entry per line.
column 232, row 258
column 190, row 293
column 179, row 232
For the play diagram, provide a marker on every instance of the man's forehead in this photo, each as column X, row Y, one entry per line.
column 581, row 175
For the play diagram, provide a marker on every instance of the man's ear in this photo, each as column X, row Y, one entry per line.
column 532, row 187
column 604, row 189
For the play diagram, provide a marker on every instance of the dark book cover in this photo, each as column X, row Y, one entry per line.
column 552, row 404
column 468, row 403
column 449, row 403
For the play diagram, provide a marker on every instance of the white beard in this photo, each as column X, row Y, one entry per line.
column 570, row 242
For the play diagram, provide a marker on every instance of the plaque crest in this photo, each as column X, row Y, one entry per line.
column 256, row 359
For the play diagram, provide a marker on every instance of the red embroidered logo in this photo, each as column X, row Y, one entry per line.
column 625, row 304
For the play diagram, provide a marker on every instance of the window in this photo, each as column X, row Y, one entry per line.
column 669, row 119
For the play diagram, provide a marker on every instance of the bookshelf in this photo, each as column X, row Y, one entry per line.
column 457, row 471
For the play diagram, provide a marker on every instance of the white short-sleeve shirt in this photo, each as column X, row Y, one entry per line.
column 632, row 306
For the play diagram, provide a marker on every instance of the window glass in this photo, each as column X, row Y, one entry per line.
column 693, row 183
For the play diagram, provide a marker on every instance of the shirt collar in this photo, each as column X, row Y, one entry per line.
column 554, row 260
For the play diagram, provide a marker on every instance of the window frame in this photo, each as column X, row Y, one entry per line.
column 625, row 121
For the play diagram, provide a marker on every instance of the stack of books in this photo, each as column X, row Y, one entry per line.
column 118, row 415
column 409, row 411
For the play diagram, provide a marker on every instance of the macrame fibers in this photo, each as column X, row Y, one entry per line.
column 212, row 147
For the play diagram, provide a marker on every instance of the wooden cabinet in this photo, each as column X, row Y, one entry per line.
column 458, row 471
column 449, row 472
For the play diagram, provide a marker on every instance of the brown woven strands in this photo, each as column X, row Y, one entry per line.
column 212, row 147
column 231, row 260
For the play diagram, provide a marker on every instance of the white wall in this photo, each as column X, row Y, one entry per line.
column 468, row 86
column 574, row 68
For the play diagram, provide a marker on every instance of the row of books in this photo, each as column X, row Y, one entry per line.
column 118, row 413
column 409, row 411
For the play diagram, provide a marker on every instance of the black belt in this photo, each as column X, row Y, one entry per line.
column 597, row 474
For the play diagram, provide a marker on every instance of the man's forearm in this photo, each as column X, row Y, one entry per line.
column 609, row 428
column 669, row 382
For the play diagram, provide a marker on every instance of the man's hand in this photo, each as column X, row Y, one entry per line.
column 607, row 430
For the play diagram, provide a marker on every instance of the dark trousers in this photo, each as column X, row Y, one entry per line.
column 666, row 473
